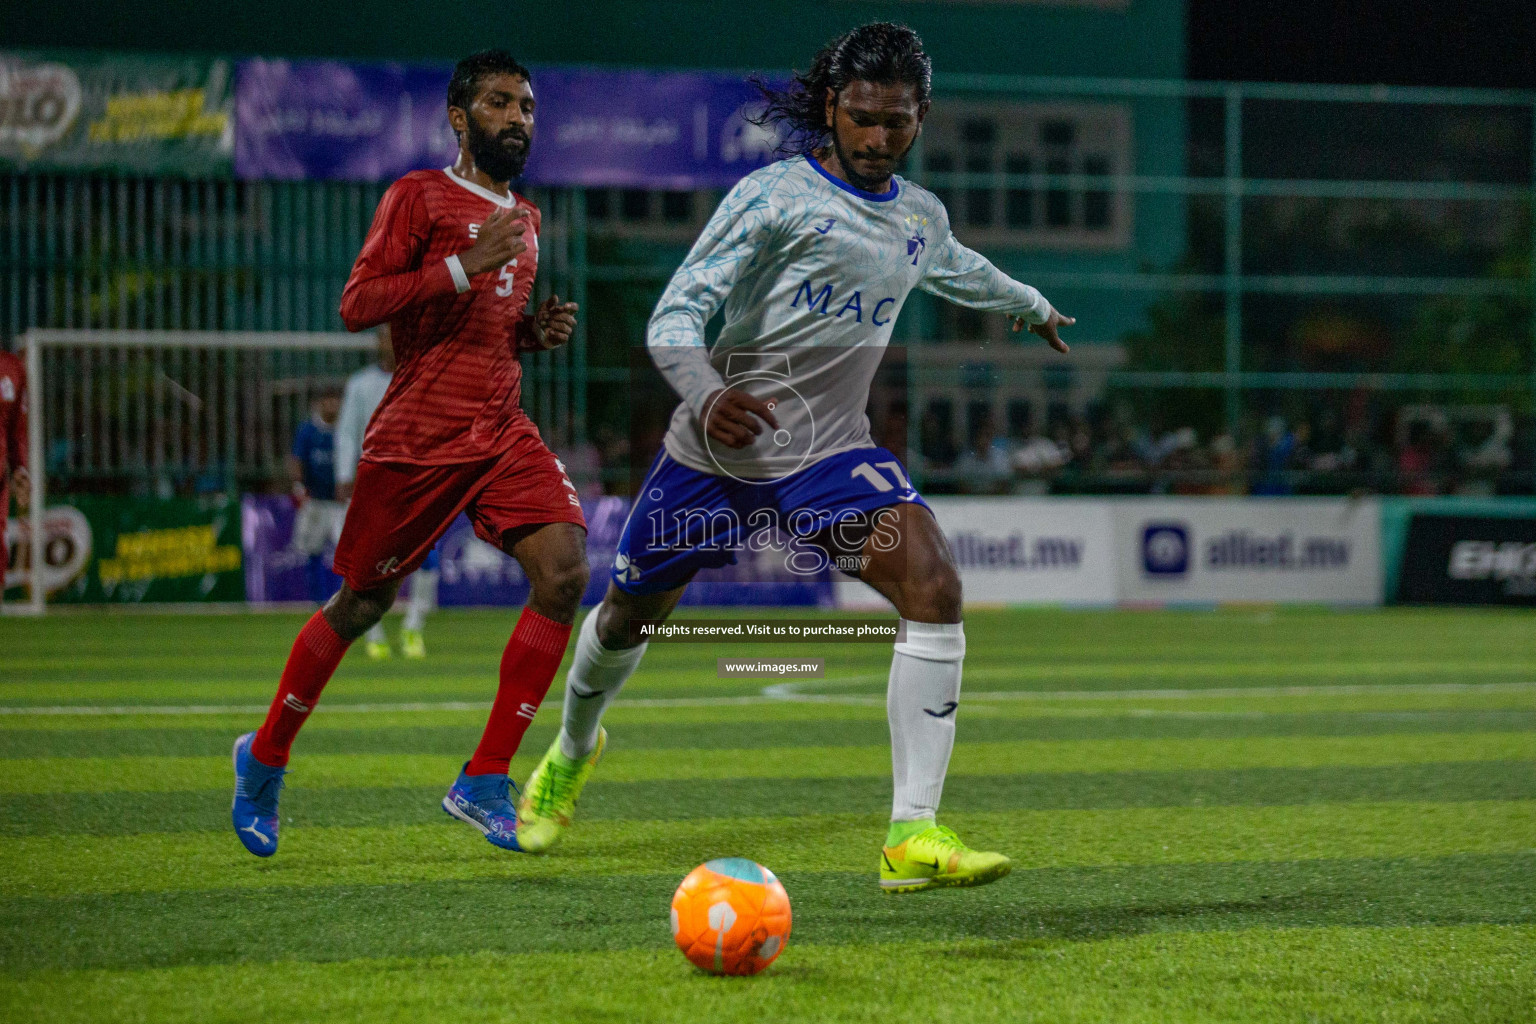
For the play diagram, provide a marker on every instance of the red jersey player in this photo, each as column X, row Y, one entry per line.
column 13, row 448
column 449, row 264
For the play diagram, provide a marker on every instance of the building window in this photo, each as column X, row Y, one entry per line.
column 1006, row 141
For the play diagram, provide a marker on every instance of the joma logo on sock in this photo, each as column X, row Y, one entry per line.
column 526, row 710
column 294, row 704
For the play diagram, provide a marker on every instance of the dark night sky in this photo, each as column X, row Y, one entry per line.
column 1490, row 43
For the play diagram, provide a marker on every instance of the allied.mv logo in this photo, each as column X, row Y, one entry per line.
column 1165, row 549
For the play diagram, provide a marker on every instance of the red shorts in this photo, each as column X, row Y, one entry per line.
column 399, row 510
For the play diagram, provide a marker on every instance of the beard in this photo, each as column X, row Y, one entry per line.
column 858, row 180
column 502, row 157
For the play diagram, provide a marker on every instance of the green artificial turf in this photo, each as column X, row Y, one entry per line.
column 1245, row 815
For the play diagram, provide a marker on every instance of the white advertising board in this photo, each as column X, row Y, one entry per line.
column 1020, row 551
column 1269, row 550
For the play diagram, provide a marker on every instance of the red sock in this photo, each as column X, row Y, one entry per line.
column 315, row 655
column 527, row 667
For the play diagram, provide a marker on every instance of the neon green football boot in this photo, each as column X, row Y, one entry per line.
column 549, row 798
column 412, row 643
column 936, row 857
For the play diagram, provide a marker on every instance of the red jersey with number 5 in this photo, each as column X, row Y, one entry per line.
column 454, row 395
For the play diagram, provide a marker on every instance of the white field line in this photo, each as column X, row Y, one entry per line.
column 788, row 692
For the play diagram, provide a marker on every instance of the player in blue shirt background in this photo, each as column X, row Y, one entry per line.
column 312, row 480
column 812, row 259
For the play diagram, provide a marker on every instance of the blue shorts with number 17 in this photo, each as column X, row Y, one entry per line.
column 684, row 520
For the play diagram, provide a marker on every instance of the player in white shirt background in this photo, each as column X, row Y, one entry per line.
column 362, row 394
column 813, row 258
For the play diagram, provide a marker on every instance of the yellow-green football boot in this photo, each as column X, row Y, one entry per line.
column 549, row 798
column 935, row 857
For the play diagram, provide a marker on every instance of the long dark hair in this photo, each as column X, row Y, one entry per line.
column 880, row 52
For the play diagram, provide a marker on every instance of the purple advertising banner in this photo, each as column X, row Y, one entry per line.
column 641, row 129
column 338, row 121
column 472, row 572
column 374, row 122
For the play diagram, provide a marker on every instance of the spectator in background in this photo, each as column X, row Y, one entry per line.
column 1272, row 458
column 1519, row 477
column 1331, row 448
column 985, row 467
column 312, row 482
column 1416, row 461
column 1076, row 438
column 1301, row 449
column 938, row 448
column 1226, row 466
column 1038, row 455
column 1181, row 461
column 365, row 390
column 1117, row 449
column 1156, row 452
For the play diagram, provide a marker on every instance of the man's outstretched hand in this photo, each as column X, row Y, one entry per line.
column 554, row 322
column 735, row 418
column 1047, row 330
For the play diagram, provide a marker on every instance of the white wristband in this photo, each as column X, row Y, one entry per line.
column 460, row 279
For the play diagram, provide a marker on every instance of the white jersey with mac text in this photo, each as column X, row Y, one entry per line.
column 812, row 273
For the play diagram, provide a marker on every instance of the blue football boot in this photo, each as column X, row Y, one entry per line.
column 484, row 802
column 254, row 812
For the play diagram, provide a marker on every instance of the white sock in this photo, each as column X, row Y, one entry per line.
column 920, row 704
column 376, row 634
column 593, row 681
column 423, row 599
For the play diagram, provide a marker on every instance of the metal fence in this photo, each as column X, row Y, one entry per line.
column 106, row 252
column 94, row 259
column 176, row 410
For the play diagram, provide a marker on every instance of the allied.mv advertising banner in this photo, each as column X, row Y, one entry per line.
column 1239, row 550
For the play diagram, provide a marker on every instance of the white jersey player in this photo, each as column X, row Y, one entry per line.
column 814, row 272
column 813, row 258
column 362, row 395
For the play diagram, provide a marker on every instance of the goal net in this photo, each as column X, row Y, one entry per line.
column 160, row 412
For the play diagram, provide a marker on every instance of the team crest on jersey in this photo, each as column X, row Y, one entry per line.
column 917, row 243
column 7, row 390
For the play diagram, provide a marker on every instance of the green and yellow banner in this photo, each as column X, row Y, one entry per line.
column 129, row 114
column 118, row 550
